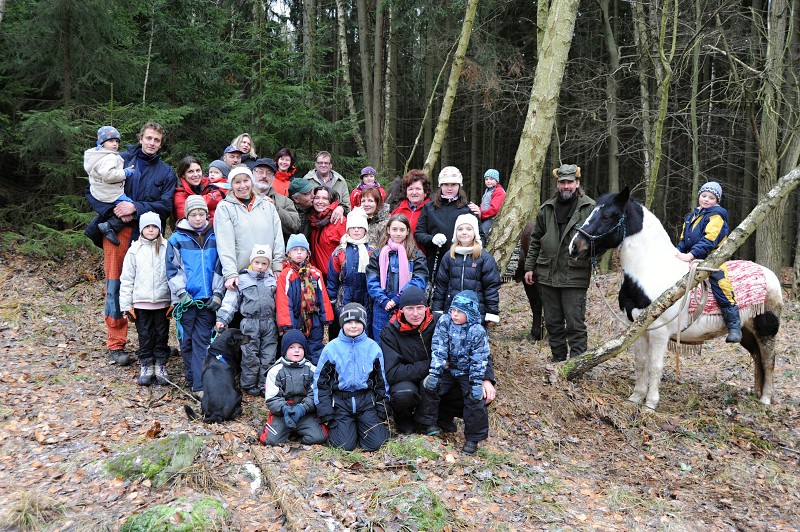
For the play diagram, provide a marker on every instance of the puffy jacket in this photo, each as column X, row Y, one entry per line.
column 325, row 239
column 193, row 264
column 463, row 350
column 211, row 194
column 355, row 195
column 144, row 275
column 106, row 174
column 338, row 184
column 239, row 227
column 348, row 365
column 288, row 295
column 254, row 297
column 498, row 195
column 442, row 220
column 703, row 230
column 417, row 268
column 283, row 180
column 467, row 273
column 290, row 382
column 548, row 253
column 345, row 284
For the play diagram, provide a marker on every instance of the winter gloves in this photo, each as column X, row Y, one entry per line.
column 476, row 392
column 431, row 382
column 438, row 239
column 292, row 414
column 214, row 303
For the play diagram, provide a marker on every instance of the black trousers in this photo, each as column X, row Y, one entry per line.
column 153, row 329
column 476, row 416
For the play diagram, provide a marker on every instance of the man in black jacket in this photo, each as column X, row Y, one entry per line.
column 406, row 344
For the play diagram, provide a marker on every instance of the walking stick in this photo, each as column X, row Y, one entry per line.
column 429, row 288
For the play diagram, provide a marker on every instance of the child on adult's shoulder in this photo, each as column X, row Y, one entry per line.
column 492, row 200
column 144, row 298
column 459, row 355
column 196, row 284
column 398, row 264
column 704, row 229
column 468, row 267
column 107, row 177
column 218, row 174
column 254, row 298
column 350, row 388
column 368, row 180
column 290, row 396
column 301, row 298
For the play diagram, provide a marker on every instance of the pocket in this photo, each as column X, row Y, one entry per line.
column 543, row 268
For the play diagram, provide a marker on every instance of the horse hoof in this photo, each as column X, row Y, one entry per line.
column 649, row 408
column 766, row 400
column 635, row 400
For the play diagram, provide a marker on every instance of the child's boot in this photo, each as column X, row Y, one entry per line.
column 146, row 373
column 470, row 447
column 734, row 323
column 109, row 233
column 161, row 372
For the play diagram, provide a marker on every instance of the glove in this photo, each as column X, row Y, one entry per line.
column 330, row 423
column 297, row 412
column 431, row 382
column 129, row 172
column 476, row 392
column 186, row 299
column 287, row 418
column 438, row 239
column 169, row 311
column 131, row 315
column 214, row 303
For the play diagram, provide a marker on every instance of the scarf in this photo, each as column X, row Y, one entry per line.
column 450, row 198
column 363, row 254
column 402, row 261
column 308, row 296
column 318, row 220
column 282, row 180
column 465, row 250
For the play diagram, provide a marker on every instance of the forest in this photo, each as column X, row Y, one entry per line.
column 659, row 96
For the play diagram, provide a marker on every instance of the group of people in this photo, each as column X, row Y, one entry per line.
column 284, row 258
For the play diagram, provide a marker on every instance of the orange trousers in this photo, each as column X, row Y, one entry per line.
column 116, row 324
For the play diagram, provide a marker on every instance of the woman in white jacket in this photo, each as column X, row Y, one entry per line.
column 144, row 298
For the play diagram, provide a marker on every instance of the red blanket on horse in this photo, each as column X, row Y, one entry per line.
column 749, row 286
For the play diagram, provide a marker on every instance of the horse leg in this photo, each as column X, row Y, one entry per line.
column 763, row 354
column 640, row 357
column 750, row 342
column 535, row 302
column 658, row 347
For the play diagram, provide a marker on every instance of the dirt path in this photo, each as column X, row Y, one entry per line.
column 561, row 455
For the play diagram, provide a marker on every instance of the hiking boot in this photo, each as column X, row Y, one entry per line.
column 558, row 358
column 146, row 375
column 108, row 233
column 470, row 447
column 447, row 425
column 161, row 373
column 430, row 430
column 198, row 395
column 120, row 357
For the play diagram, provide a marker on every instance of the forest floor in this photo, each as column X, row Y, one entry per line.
column 564, row 456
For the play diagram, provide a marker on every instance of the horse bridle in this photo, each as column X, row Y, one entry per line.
column 592, row 238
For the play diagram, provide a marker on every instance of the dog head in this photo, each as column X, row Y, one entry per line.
column 230, row 342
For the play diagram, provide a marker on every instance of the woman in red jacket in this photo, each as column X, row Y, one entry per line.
column 286, row 170
column 192, row 182
column 325, row 235
column 417, row 191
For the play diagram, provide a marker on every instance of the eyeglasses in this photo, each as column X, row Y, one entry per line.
column 323, row 163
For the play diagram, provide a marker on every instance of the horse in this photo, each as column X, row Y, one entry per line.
column 531, row 290
column 650, row 267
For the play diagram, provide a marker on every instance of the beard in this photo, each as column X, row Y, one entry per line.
column 566, row 196
column 261, row 187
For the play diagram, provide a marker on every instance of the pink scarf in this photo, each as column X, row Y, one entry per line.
column 402, row 260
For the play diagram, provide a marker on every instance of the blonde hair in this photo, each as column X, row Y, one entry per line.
column 252, row 154
column 477, row 248
column 408, row 243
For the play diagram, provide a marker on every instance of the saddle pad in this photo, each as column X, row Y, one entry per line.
column 749, row 287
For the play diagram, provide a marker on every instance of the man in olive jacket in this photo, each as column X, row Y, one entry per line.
column 563, row 280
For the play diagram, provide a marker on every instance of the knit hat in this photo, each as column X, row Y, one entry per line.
column 367, row 170
column 266, row 161
column 194, row 202
column 357, row 218
column 412, row 296
column 293, row 336
column 149, row 218
column 300, row 186
column 567, row 172
column 222, row 166
column 353, row 311
column 230, row 149
column 450, row 174
column 107, row 133
column 494, row 174
column 467, row 219
column 713, row 187
column 298, row 241
column 467, row 302
column 239, row 170
column 261, row 250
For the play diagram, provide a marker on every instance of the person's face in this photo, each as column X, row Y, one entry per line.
column 353, row 328
column 356, row 233
column 415, row 193
column 151, row 141
column 284, row 162
column 706, row 200
column 242, row 186
column 323, row 165
column 490, row 182
column 465, row 234
column 295, row 352
column 458, row 317
column 321, row 200
column 304, row 200
column 197, row 218
column 194, row 174
column 245, row 144
column 260, row 264
column 264, row 175
column 567, row 188
column 414, row 314
column 151, row 232
column 214, row 173
column 368, row 179
column 232, row 158
column 369, row 204
column 298, row 255
column 450, row 189
column 398, row 232
column 111, row 144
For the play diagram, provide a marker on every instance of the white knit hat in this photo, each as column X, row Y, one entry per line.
column 149, row 218
column 261, row 250
column 450, row 174
column 357, row 218
column 467, row 219
column 237, row 171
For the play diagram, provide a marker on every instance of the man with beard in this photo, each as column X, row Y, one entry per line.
column 301, row 192
column 263, row 176
column 563, row 281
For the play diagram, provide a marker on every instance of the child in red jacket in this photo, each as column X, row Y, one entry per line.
column 492, row 200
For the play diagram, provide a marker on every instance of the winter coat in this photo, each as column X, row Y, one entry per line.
column 193, row 264
column 498, row 195
column 210, row 193
column 413, row 214
column 465, row 273
column 290, row 382
column 438, row 220
column 287, row 212
column 377, row 225
column 144, row 275
column 287, row 298
column 381, row 296
column 254, row 297
column 344, row 282
column 348, row 365
column 339, row 185
column 106, row 174
column 355, row 195
column 463, row 350
column 239, row 227
column 152, row 189
column 325, row 239
column 703, row 230
column 283, row 180
column 548, row 253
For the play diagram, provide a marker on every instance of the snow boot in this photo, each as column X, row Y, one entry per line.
column 146, row 374
column 120, row 357
column 734, row 323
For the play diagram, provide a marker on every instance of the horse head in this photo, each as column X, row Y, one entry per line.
column 605, row 228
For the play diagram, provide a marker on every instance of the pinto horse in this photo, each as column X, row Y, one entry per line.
column 650, row 267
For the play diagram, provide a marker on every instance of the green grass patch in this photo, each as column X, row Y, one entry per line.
column 410, row 448
column 179, row 516
column 423, row 509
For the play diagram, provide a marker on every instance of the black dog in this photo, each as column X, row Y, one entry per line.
column 222, row 400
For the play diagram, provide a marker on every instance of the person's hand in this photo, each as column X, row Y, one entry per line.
column 297, row 412
column 232, row 283
column 530, row 277
column 124, row 208
column 430, row 383
column 685, row 257
column 337, row 214
column 186, row 299
column 220, row 325
column 476, row 210
column 287, row 417
column 489, row 393
column 127, row 218
column 476, row 392
column 168, row 312
column 130, row 315
column 129, row 172
column 214, row 303
column 438, row 239
column 390, row 305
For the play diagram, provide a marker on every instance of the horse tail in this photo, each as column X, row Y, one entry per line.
column 767, row 324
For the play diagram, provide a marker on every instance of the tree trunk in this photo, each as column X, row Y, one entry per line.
column 642, row 40
column 2, row 10
column 348, row 85
column 693, row 108
column 309, row 30
column 611, row 99
column 66, row 23
column 452, row 88
column 149, row 53
column 388, row 139
column 524, row 187
column 366, row 72
column 376, row 124
column 474, row 185
column 771, row 202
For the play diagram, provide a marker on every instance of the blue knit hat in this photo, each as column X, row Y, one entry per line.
column 298, row 241
column 714, row 188
column 494, row 174
column 293, row 336
column 107, row 133
column 467, row 302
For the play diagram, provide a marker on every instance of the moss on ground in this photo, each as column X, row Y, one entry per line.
column 180, row 515
column 159, row 460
